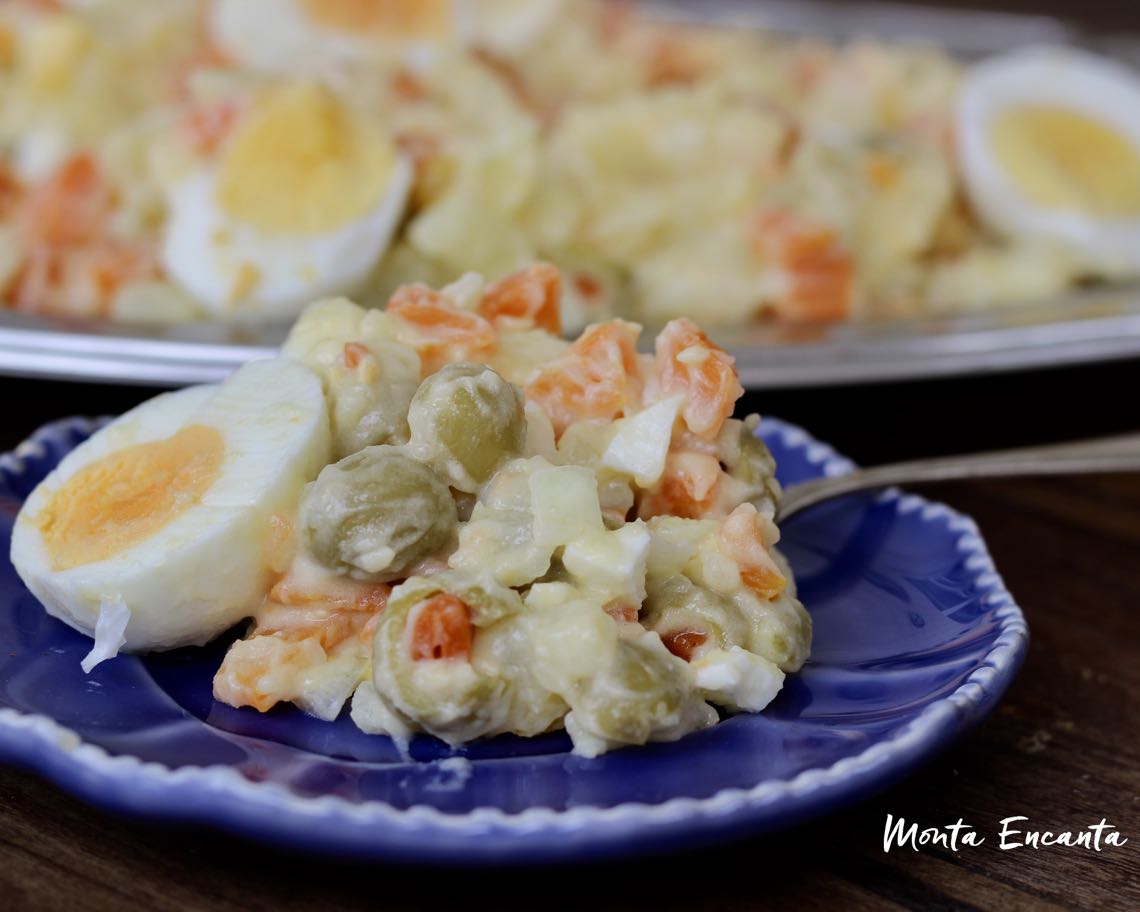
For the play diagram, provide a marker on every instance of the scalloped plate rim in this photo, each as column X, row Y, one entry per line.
column 219, row 795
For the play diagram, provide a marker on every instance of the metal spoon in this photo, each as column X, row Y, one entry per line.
column 1107, row 454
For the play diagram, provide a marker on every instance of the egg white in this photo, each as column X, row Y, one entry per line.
column 275, row 36
column 209, row 566
column 209, row 253
column 1057, row 78
column 278, row 37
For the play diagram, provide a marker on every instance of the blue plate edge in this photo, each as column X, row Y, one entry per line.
column 374, row 830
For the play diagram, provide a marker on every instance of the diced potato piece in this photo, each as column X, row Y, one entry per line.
column 673, row 542
column 565, row 504
column 613, row 562
column 640, row 443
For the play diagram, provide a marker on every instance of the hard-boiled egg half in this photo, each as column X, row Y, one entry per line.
column 312, row 36
column 301, row 203
column 160, row 530
column 1049, row 143
column 290, row 36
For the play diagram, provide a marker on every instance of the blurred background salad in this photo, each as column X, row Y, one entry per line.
column 235, row 159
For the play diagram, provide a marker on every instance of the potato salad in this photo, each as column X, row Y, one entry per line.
column 442, row 518
column 234, row 160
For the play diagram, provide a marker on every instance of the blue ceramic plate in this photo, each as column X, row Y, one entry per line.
column 915, row 639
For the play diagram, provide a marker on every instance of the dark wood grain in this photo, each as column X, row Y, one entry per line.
column 1063, row 748
column 1097, row 14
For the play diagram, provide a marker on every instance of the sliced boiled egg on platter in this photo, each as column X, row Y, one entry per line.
column 165, row 527
column 301, row 203
column 1049, row 147
column 290, row 36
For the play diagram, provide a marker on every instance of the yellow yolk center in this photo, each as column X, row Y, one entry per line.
column 390, row 18
column 1060, row 159
column 126, row 497
column 302, row 163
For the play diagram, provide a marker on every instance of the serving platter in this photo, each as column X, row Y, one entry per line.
column 1085, row 326
column 915, row 640
column 1095, row 325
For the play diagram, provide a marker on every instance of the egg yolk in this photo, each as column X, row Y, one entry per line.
column 126, row 497
column 1060, row 159
column 391, row 18
column 302, row 163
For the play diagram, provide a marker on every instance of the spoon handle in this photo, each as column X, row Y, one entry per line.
column 1107, row 454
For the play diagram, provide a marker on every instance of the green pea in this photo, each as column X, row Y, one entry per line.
column 678, row 604
column 779, row 630
column 755, row 465
column 377, row 513
column 749, row 462
column 465, row 422
column 456, row 701
column 641, row 692
column 370, row 413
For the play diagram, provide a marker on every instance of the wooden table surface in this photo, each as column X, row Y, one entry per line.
column 1061, row 749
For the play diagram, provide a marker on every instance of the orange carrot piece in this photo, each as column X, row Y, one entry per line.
column 206, row 127
column 690, row 364
column 622, row 611
column 597, row 378
column 441, row 629
column 687, row 489
column 70, row 206
column 820, row 271
column 527, row 299
column 743, row 541
column 354, row 354
column 438, row 330
column 684, row 643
